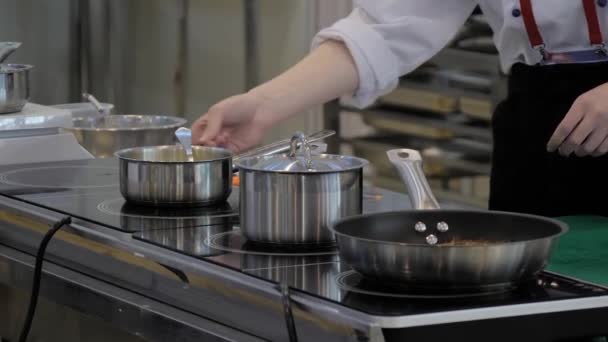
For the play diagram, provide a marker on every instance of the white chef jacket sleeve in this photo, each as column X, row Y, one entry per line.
column 390, row 38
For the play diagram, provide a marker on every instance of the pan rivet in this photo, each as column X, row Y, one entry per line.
column 420, row 227
column 442, row 227
column 431, row 239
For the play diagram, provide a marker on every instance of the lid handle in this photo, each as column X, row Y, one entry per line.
column 299, row 139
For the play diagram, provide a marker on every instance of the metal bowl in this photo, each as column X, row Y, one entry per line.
column 162, row 175
column 103, row 136
column 14, row 87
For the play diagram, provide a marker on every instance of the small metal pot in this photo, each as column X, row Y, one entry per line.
column 14, row 87
column 162, row 175
column 103, row 136
column 14, row 81
column 293, row 198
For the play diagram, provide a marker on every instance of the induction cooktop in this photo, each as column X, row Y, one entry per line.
column 322, row 274
column 89, row 190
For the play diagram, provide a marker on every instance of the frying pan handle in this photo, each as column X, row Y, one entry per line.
column 409, row 164
column 318, row 148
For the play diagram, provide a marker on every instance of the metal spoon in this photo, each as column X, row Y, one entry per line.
column 7, row 48
column 91, row 99
column 184, row 135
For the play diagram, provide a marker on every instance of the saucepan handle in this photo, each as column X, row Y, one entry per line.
column 7, row 48
column 93, row 101
column 318, row 148
column 409, row 164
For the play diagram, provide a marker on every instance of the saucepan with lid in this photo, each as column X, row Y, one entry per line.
column 293, row 198
column 436, row 249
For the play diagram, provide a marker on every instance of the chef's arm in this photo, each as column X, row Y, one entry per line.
column 390, row 38
column 326, row 73
column 361, row 57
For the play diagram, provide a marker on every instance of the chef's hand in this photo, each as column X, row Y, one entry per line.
column 236, row 123
column 239, row 122
column 584, row 129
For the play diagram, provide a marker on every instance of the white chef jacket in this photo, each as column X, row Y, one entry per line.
column 390, row 38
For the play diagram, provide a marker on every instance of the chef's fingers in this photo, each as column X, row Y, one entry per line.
column 212, row 125
column 567, row 126
column 578, row 136
column 222, row 139
column 602, row 149
column 197, row 128
column 594, row 140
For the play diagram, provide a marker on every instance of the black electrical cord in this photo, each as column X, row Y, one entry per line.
column 27, row 324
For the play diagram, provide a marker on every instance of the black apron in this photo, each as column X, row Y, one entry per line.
column 525, row 177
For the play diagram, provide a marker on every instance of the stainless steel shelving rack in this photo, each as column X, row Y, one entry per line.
column 450, row 58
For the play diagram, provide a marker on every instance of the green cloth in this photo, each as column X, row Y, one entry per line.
column 583, row 252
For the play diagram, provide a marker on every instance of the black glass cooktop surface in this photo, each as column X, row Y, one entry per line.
column 321, row 273
column 89, row 190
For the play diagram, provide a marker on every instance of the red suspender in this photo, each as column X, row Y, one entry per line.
column 536, row 39
column 593, row 23
column 530, row 23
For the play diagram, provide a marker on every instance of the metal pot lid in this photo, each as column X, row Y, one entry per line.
column 301, row 160
column 283, row 163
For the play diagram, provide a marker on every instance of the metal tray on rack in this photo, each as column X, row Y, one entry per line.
column 471, row 191
column 478, row 108
column 482, row 44
column 427, row 99
column 442, row 158
column 425, row 125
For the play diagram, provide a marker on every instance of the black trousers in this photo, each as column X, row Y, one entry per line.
column 525, row 177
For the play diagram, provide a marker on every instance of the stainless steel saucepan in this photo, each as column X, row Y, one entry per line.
column 164, row 176
column 431, row 248
column 14, row 81
column 293, row 198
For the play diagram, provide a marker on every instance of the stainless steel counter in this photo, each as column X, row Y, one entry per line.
column 156, row 294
